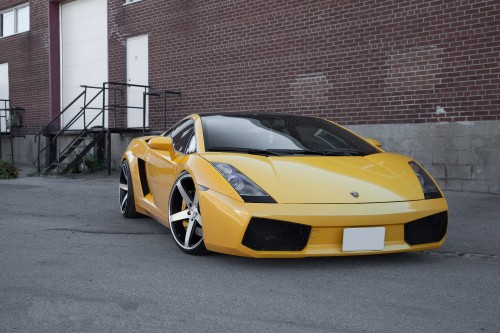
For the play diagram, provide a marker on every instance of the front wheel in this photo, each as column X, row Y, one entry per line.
column 184, row 216
column 127, row 201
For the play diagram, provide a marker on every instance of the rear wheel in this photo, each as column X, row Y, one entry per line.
column 127, row 201
column 184, row 216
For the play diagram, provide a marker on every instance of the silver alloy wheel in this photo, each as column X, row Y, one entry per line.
column 124, row 178
column 184, row 214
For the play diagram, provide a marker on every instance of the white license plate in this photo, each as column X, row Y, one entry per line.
column 363, row 239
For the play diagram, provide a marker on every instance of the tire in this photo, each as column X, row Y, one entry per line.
column 127, row 201
column 184, row 216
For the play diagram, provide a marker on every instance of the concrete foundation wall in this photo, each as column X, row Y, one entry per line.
column 462, row 156
column 26, row 150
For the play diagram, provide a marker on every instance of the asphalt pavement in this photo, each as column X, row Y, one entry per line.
column 69, row 262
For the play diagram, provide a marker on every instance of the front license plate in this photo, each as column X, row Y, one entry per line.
column 363, row 239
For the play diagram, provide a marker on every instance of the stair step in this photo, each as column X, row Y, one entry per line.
column 77, row 146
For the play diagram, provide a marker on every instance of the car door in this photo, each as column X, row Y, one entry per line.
column 162, row 170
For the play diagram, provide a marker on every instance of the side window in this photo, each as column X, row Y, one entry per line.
column 182, row 138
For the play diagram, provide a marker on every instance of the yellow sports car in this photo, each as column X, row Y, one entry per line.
column 271, row 185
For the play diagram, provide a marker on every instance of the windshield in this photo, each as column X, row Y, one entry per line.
column 280, row 135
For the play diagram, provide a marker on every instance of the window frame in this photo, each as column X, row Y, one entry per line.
column 129, row 2
column 15, row 11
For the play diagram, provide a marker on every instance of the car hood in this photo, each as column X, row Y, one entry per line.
column 383, row 177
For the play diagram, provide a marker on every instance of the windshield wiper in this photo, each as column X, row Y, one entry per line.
column 337, row 152
column 300, row 152
column 253, row 151
column 344, row 152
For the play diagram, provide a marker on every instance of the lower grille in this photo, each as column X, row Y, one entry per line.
column 273, row 235
column 429, row 229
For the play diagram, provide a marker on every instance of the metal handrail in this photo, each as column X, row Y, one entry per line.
column 115, row 106
column 76, row 117
column 6, row 111
column 108, row 134
column 81, row 132
column 65, row 109
column 158, row 94
column 67, row 126
column 59, row 115
column 125, row 84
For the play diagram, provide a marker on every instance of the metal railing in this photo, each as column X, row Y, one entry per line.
column 53, row 131
column 53, row 134
column 4, row 116
column 113, row 91
column 160, row 93
column 10, row 122
column 4, row 119
column 116, row 107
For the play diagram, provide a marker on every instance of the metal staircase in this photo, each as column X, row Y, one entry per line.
column 82, row 140
column 65, row 149
column 76, row 151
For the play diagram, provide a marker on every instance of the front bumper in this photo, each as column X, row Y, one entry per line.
column 226, row 220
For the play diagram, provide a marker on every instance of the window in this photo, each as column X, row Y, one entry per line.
column 15, row 20
column 183, row 137
column 182, row 140
column 23, row 19
column 8, row 23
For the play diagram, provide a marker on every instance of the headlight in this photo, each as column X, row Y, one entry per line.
column 246, row 188
column 429, row 188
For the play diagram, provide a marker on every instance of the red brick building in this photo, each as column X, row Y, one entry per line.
column 422, row 76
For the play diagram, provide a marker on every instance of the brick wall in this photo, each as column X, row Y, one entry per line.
column 356, row 62
column 27, row 54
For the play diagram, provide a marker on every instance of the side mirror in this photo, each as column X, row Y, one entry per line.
column 162, row 143
column 374, row 142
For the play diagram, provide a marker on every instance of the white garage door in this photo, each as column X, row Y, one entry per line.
column 84, row 53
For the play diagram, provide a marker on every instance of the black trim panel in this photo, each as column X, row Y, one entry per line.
column 430, row 229
column 274, row 235
column 143, row 176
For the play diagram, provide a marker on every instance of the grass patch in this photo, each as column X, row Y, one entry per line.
column 8, row 170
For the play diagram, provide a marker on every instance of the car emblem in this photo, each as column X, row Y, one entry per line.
column 355, row 194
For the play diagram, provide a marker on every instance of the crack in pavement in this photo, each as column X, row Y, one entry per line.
column 106, row 232
column 475, row 256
